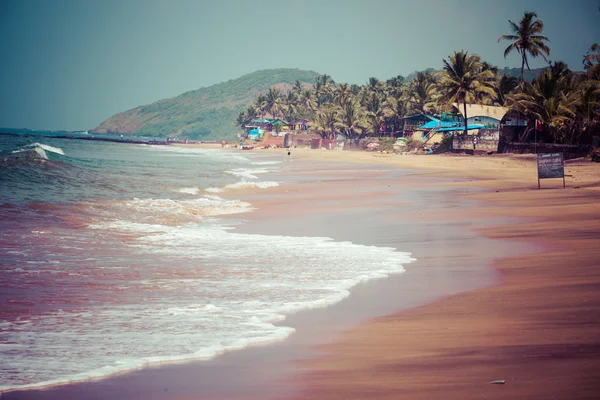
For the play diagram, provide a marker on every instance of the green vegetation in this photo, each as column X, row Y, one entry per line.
column 567, row 103
column 203, row 114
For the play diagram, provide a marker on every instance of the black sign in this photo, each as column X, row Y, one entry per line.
column 551, row 165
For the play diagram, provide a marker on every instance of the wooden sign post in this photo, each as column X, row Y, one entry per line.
column 551, row 165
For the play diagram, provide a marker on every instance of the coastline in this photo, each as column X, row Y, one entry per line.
column 306, row 385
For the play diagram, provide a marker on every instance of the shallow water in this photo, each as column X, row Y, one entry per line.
column 118, row 256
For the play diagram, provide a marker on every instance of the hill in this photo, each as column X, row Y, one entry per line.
column 527, row 75
column 202, row 114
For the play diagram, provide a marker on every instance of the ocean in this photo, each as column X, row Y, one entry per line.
column 116, row 256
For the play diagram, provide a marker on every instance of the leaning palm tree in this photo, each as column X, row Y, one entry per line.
column 526, row 39
column 462, row 80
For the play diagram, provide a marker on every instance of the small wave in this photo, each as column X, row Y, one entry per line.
column 266, row 162
column 35, row 151
column 244, row 185
column 189, row 190
column 46, row 147
column 247, row 172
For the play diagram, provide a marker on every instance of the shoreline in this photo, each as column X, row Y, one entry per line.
column 277, row 226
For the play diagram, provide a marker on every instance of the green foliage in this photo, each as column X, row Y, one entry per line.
column 205, row 113
column 566, row 102
column 445, row 145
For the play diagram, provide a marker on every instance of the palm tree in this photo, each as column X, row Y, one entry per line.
column 504, row 86
column 395, row 110
column 420, row 94
column 549, row 99
column 273, row 102
column 585, row 114
column 526, row 38
column 351, row 118
column 462, row 80
column 307, row 103
column 591, row 63
column 326, row 122
column 342, row 93
column 289, row 104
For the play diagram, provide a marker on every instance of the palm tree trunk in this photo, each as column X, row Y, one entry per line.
column 522, row 64
column 465, row 106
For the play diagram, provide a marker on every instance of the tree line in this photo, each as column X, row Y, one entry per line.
column 567, row 103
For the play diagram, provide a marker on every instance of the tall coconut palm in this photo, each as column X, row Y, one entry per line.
column 462, row 80
column 526, row 39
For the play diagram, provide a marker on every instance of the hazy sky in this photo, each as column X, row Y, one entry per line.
column 71, row 64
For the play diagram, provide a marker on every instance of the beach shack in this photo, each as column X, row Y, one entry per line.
column 413, row 122
column 299, row 125
column 276, row 125
column 478, row 114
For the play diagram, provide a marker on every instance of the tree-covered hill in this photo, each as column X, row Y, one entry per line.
column 202, row 114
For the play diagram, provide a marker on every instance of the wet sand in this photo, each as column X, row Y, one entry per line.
column 452, row 322
column 538, row 329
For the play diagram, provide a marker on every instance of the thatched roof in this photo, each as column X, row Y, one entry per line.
column 477, row 110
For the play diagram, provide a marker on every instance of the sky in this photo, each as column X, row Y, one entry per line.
column 70, row 64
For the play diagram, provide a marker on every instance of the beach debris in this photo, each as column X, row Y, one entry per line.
column 498, row 382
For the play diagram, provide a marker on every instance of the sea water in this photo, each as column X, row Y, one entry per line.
column 115, row 256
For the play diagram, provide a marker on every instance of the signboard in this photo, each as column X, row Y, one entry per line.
column 551, row 165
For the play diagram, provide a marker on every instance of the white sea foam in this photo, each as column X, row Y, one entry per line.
column 218, row 290
column 163, row 209
column 40, row 149
column 189, row 190
column 244, row 185
column 265, row 162
column 46, row 147
column 248, row 173
column 196, row 151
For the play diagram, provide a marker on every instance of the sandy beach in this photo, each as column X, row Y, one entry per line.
column 538, row 330
column 505, row 286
